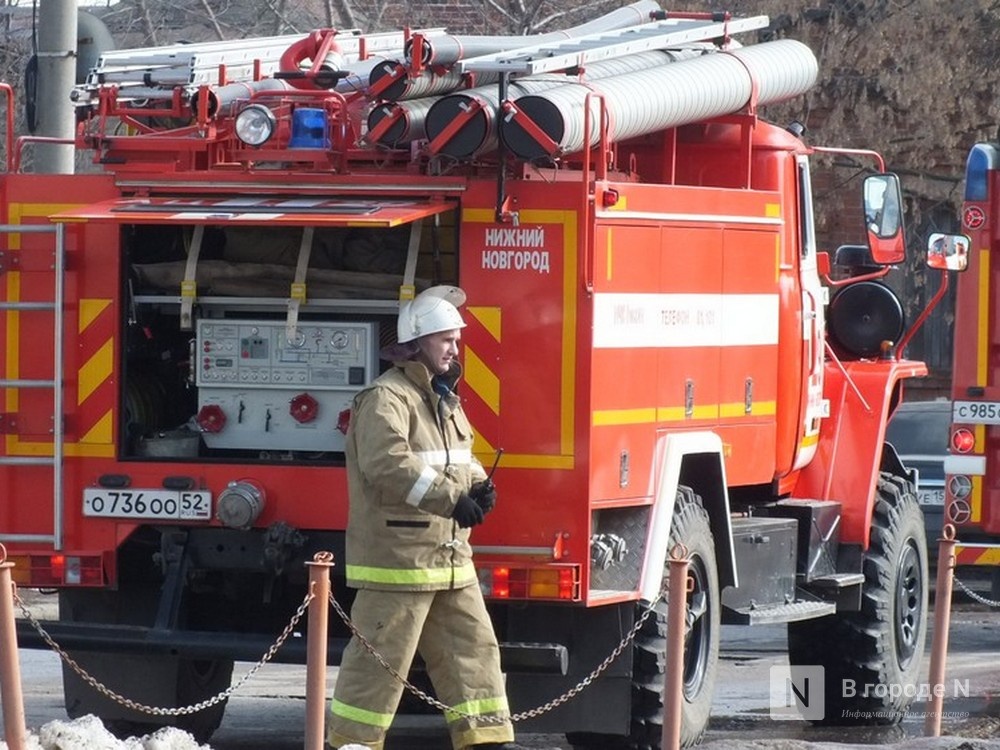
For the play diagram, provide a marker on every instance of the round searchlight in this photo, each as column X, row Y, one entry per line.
column 255, row 124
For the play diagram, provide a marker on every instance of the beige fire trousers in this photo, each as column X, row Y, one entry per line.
column 453, row 634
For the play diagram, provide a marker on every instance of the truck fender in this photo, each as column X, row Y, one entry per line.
column 851, row 446
column 695, row 460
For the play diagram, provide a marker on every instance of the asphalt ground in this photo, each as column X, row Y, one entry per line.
column 268, row 712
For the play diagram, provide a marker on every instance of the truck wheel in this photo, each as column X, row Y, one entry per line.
column 701, row 647
column 169, row 682
column 162, row 681
column 878, row 650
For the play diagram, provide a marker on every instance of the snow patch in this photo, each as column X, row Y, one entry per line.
column 88, row 733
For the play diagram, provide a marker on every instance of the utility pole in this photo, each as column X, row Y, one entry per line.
column 56, row 78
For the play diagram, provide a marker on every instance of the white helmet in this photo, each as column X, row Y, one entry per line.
column 432, row 311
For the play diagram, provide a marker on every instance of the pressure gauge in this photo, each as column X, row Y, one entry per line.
column 339, row 340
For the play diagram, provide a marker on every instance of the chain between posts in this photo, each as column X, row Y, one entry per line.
column 287, row 632
column 155, row 710
column 973, row 595
column 521, row 716
column 421, row 694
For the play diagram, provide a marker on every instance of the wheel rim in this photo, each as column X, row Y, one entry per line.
column 698, row 638
column 909, row 602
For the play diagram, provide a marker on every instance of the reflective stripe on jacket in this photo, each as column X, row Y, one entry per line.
column 409, row 458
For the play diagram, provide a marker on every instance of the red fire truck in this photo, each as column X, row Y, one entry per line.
column 654, row 340
column 972, row 489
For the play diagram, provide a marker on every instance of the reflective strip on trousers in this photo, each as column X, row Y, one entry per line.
column 479, row 707
column 360, row 715
column 404, row 576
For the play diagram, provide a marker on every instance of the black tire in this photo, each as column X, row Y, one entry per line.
column 160, row 681
column 691, row 528
column 879, row 648
column 178, row 682
column 199, row 680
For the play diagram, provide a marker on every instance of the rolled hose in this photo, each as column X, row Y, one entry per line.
column 660, row 98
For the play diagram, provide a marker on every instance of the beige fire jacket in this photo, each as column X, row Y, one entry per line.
column 409, row 458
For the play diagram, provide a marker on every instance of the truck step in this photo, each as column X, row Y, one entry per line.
column 837, row 581
column 777, row 613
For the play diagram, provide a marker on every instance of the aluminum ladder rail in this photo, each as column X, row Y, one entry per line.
column 670, row 33
column 56, row 383
column 199, row 63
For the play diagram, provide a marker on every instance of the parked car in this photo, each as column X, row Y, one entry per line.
column 919, row 431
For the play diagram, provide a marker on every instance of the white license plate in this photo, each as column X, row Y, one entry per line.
column 930, row 497
column 976, row 412
column 194, row 505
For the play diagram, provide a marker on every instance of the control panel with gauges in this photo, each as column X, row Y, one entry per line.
column 261, row 388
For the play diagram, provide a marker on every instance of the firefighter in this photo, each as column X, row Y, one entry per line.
column 415, row 492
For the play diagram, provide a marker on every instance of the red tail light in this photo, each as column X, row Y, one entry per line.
column 962, row 440
column 39, row 571
column 552, row 582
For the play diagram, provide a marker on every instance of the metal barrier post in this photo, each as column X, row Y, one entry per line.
column 673, row 685
column 942, row 622
column 319, row 611
column 10, row 668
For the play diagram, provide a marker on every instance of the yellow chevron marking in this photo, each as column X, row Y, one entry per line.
column 482, row 380
column 100, row 432
column 489, row 317
column 102, row 446
column 480, row 445
column 95, row 371
column 988, row 555
column 89, row 310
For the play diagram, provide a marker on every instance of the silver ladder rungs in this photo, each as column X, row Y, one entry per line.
column 553, row 56
column 31, row 538
column 27, row 461
column 27, row 306
column 55, row 384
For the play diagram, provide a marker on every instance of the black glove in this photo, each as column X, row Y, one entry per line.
column 467, row 512
column 485, row 494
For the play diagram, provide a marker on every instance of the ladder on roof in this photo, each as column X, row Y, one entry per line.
column 187, row 64
column 199, row 63
column 55, row 384
column 670, row 33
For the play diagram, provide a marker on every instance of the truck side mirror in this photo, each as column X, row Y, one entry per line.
column 883, row 207
column 948, row 252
